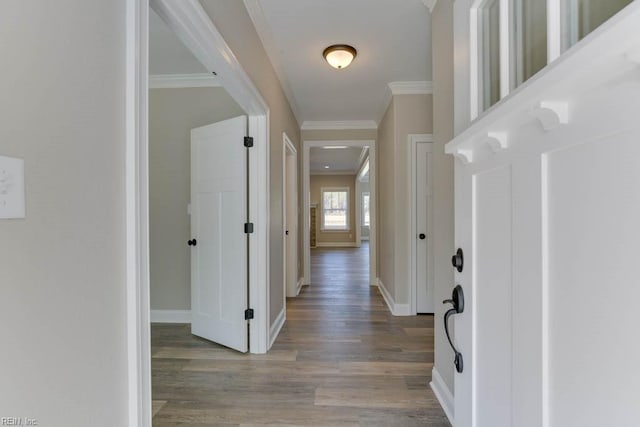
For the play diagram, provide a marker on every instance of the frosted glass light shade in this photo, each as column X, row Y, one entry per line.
column 339, row 56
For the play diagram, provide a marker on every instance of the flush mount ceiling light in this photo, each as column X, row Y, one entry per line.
column 335, row 147
column 339, row 55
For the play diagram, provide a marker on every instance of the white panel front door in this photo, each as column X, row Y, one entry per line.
column 424, row 269
column 218, row 214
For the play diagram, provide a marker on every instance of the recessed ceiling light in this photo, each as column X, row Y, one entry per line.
column 335, row 147
column 339, row 55
column 326, row 167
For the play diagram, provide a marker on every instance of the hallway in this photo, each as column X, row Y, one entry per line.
column 340, row 360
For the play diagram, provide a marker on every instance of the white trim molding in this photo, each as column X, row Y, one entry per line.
column 443, row 394
column 170, row 316
column 431, row 4
column 336, row 245
column 178, row 81
column 411, row 88
column 339, row 125
column 395, row 308
column 552, row 114
column 137, row 214
column 299, row 285
column 403, row 88
column 275, row 329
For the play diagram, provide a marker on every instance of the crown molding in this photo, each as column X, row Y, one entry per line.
column 431, row 4
column 411, row 88
column 268, row 42
column 339, row 125
column 166, row 81
column 335, row 173
column 403, row 88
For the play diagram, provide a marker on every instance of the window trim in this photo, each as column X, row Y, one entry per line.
column 368, row 194
column 348, row 214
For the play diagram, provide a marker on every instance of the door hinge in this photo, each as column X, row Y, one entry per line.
column 248, row 314
column 248, row 141
column 248, row 227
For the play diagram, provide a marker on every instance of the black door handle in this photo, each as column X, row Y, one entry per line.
column 458, row 260
column 192, row 242
column 286, row 232
column 422, row 236
column 457, row 300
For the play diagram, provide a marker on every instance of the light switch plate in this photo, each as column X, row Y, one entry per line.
column 12, row 200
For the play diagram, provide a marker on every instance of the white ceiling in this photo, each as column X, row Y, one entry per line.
column 340, row 160
column 167, row 54
column 393, row 39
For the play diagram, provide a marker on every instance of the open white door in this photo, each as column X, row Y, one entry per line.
column 218, row 239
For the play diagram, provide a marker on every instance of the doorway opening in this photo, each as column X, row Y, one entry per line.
column 191, row 28
column 339, row 206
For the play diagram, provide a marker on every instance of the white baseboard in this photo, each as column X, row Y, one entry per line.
column 443, row 394
column 336, row 245
column 299, row 285
column 395, row 308
column 170, row 316
column 402, row 310
column 274, row 330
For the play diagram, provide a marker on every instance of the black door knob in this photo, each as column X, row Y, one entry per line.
column 286, row 232
column 458, row 260
column 422, row 236
column 192, row 242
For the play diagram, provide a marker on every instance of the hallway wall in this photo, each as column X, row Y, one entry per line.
column 172, row 115
column 62, row 268
column 234, row 23
column 406, row 114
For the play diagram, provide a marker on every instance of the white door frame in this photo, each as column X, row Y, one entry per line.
column 192, row 25
column 307, row 145
column 414, row 140
column 288, row 149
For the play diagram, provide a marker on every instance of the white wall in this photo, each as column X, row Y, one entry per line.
column 406, row 114
column 62, row 269
column 172, row 115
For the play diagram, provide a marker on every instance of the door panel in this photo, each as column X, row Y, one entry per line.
column 594, row 225
column 424, row 267
column 291, row 239
column 492, row 224
column 219, row 210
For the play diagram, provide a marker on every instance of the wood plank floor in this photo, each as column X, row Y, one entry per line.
column 340, row 360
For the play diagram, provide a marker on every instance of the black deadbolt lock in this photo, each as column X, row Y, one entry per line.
column 422, row 236
column 458, row 260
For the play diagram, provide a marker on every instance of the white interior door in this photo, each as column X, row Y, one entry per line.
column 291, row 236
column 218, row 214
column 424, row 269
